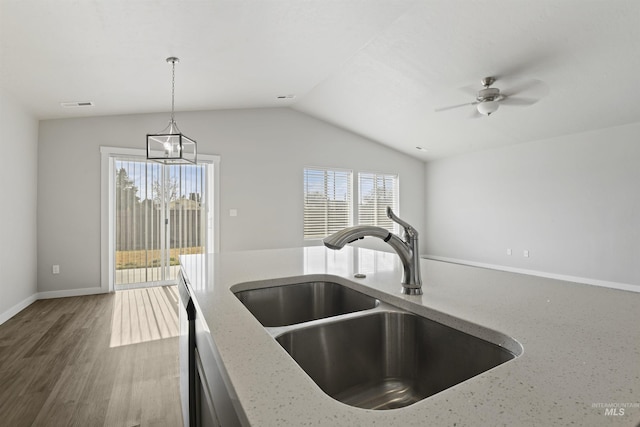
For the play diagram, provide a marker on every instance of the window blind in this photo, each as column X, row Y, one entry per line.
column 375, row 193
column 328, row 202
column 160, row 214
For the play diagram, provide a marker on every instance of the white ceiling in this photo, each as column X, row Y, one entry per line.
column 378, row 68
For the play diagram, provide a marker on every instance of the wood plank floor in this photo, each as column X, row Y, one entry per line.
column 99, row 360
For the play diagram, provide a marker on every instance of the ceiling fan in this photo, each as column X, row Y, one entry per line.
column 490, row 98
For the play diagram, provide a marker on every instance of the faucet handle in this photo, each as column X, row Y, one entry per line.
column 408, row 229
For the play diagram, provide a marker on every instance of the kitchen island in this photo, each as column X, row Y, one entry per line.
column 579, row 365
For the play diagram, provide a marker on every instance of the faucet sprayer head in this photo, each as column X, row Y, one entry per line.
column 338, row 239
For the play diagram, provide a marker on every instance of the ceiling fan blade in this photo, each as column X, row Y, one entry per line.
column 471, row 90
column 437, row 110
column 519, row 102
column 534, row 87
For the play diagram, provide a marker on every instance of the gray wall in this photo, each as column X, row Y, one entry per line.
column 18, row 175
column 572, row 201
column 263, row 152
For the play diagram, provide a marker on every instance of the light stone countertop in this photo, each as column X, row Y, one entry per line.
column 581, row 343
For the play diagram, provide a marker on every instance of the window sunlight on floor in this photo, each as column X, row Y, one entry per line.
column 142, row 315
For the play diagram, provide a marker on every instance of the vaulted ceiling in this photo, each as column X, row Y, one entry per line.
column 379, row 68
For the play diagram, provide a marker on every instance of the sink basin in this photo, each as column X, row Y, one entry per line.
column 303, row 302
column 387, row 360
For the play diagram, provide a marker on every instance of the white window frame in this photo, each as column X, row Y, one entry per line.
column 107, row 191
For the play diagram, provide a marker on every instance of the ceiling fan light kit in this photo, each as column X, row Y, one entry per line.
column 487, row 107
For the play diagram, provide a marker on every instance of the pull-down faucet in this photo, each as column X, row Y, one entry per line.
column 406, row 248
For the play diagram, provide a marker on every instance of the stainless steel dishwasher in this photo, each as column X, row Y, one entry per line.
column 205, row 399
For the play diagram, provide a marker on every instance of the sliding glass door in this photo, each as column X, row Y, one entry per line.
column 159, row 213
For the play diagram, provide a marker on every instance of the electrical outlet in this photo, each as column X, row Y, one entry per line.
column 56, row 269
column 509, row 251
column 233, row 212
column 526, row 253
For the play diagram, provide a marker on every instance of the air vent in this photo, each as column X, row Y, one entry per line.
column 76, row 104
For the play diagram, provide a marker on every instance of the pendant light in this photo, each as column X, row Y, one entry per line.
column 171, row 146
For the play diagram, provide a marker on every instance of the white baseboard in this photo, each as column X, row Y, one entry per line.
column 17, row 308
column 47, row 295
column 566, row 278
column 70, row 293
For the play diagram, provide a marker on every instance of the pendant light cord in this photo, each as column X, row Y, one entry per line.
column 173, row 89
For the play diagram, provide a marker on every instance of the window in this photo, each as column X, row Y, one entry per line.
column 376, row 192
column 328, row 203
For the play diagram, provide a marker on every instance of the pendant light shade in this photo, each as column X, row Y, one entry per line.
column 171, row 146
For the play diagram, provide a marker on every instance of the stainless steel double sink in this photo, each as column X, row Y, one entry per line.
column 365, row 352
